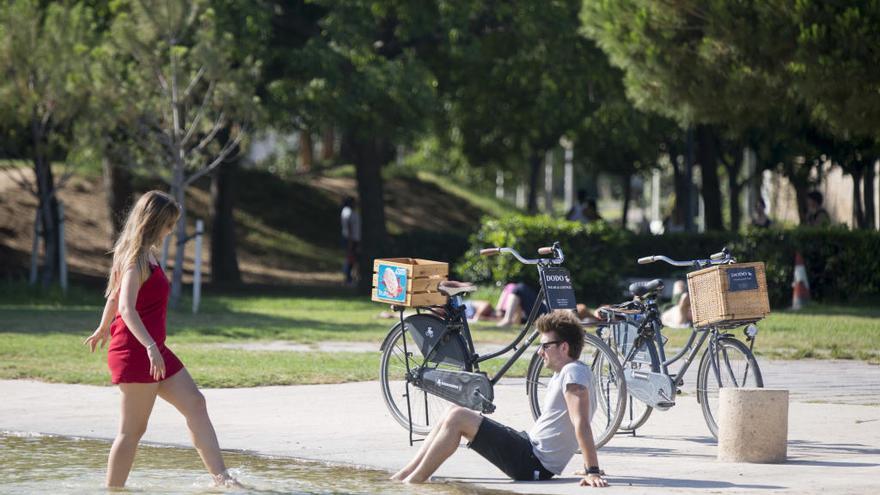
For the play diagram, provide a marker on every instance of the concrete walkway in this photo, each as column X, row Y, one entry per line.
column 833, row 447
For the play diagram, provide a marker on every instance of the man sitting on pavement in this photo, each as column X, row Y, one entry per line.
column 562, row 428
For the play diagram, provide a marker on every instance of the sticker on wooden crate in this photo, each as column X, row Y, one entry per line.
column 392, row 283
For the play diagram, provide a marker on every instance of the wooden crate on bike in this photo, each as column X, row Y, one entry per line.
column 409, row 282
column 728, row 294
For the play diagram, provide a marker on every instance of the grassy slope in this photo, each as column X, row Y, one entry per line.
column 288, row 229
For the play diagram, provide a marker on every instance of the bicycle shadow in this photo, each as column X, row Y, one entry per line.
column 822, row 448
column 686, row 483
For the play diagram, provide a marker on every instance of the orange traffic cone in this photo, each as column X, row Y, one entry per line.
column 800, row 293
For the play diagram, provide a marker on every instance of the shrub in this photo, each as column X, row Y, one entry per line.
column 840, row 263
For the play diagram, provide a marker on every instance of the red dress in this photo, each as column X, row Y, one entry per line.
column 127, row 358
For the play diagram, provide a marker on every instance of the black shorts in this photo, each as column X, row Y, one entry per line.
column 509, row 450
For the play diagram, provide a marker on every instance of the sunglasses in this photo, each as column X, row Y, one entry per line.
column 546, row 345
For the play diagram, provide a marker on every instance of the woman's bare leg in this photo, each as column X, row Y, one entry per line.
column 137, row 404
column 511, row 312
column 181, row 392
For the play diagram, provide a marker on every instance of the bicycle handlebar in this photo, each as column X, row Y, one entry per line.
column 555, row 250
column 720, row 258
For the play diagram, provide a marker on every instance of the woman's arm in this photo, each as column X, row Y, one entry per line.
column 100, row 336
column 128, row 292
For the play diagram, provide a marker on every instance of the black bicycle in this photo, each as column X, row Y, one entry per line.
column 634, row 330
column 429, row 360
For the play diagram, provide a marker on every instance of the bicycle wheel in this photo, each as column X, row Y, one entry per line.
column 425, row 409
column 737, row 367
column 607, row 378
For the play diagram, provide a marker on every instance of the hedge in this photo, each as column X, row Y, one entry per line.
column 842, row 265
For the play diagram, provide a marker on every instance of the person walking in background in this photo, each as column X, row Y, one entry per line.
column 350, row 219
column 817, row 216
column 140, row 363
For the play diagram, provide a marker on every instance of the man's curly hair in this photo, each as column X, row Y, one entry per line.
column 567, row 327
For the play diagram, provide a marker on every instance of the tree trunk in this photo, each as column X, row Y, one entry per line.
column 707, row 155
column 370, row 155
column 627, row 192
column 735, row 190
column 224, row 257
column 178, row 191
column 679, row 181
column 857, row 211
column 306, row 156
column 119, row 192
column 47, row 202
column 868, row 192
column 328, row 141
column 534, row 173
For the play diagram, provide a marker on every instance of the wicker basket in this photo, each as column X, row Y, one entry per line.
column 728, row 295
column 409, row 282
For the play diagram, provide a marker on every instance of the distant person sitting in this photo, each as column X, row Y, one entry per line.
column 516, row 303
column 817, row 216
column 759, row 215
column 677, row 313
column 576, row 212
column 591, row 211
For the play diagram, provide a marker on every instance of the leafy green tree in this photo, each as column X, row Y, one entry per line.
column 678, row 62
column 515, row 77
column 360, row 69
column 189, row 98
column 44, row 55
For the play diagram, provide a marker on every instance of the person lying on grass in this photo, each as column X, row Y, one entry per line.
column 562, row 428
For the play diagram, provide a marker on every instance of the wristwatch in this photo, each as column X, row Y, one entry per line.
column 593, row 470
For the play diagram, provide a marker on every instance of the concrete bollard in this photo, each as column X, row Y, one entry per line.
column 752, row 425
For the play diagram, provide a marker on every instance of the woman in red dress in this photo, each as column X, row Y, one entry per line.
column 140, row 363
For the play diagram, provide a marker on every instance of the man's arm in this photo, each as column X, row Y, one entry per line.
column 577, row 400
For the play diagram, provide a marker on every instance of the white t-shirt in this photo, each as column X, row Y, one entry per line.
column 553, row 436
column 351, row 224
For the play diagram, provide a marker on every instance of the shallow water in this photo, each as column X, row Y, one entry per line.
column 33, row 463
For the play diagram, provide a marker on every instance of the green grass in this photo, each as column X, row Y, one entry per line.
column 818, row 331
column 41, row 336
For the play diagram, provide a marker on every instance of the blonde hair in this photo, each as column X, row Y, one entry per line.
column 154, row 212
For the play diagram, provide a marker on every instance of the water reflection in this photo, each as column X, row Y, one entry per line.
column 33, row 463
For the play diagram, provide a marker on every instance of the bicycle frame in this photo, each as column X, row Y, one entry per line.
column 454, row 307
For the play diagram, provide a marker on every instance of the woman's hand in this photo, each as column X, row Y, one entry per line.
column 98, row 338
column 157, row 362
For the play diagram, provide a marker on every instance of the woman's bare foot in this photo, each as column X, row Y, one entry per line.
column 226, row 479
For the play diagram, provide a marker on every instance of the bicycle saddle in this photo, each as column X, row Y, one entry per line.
column 451, row 288
column 639, row 289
